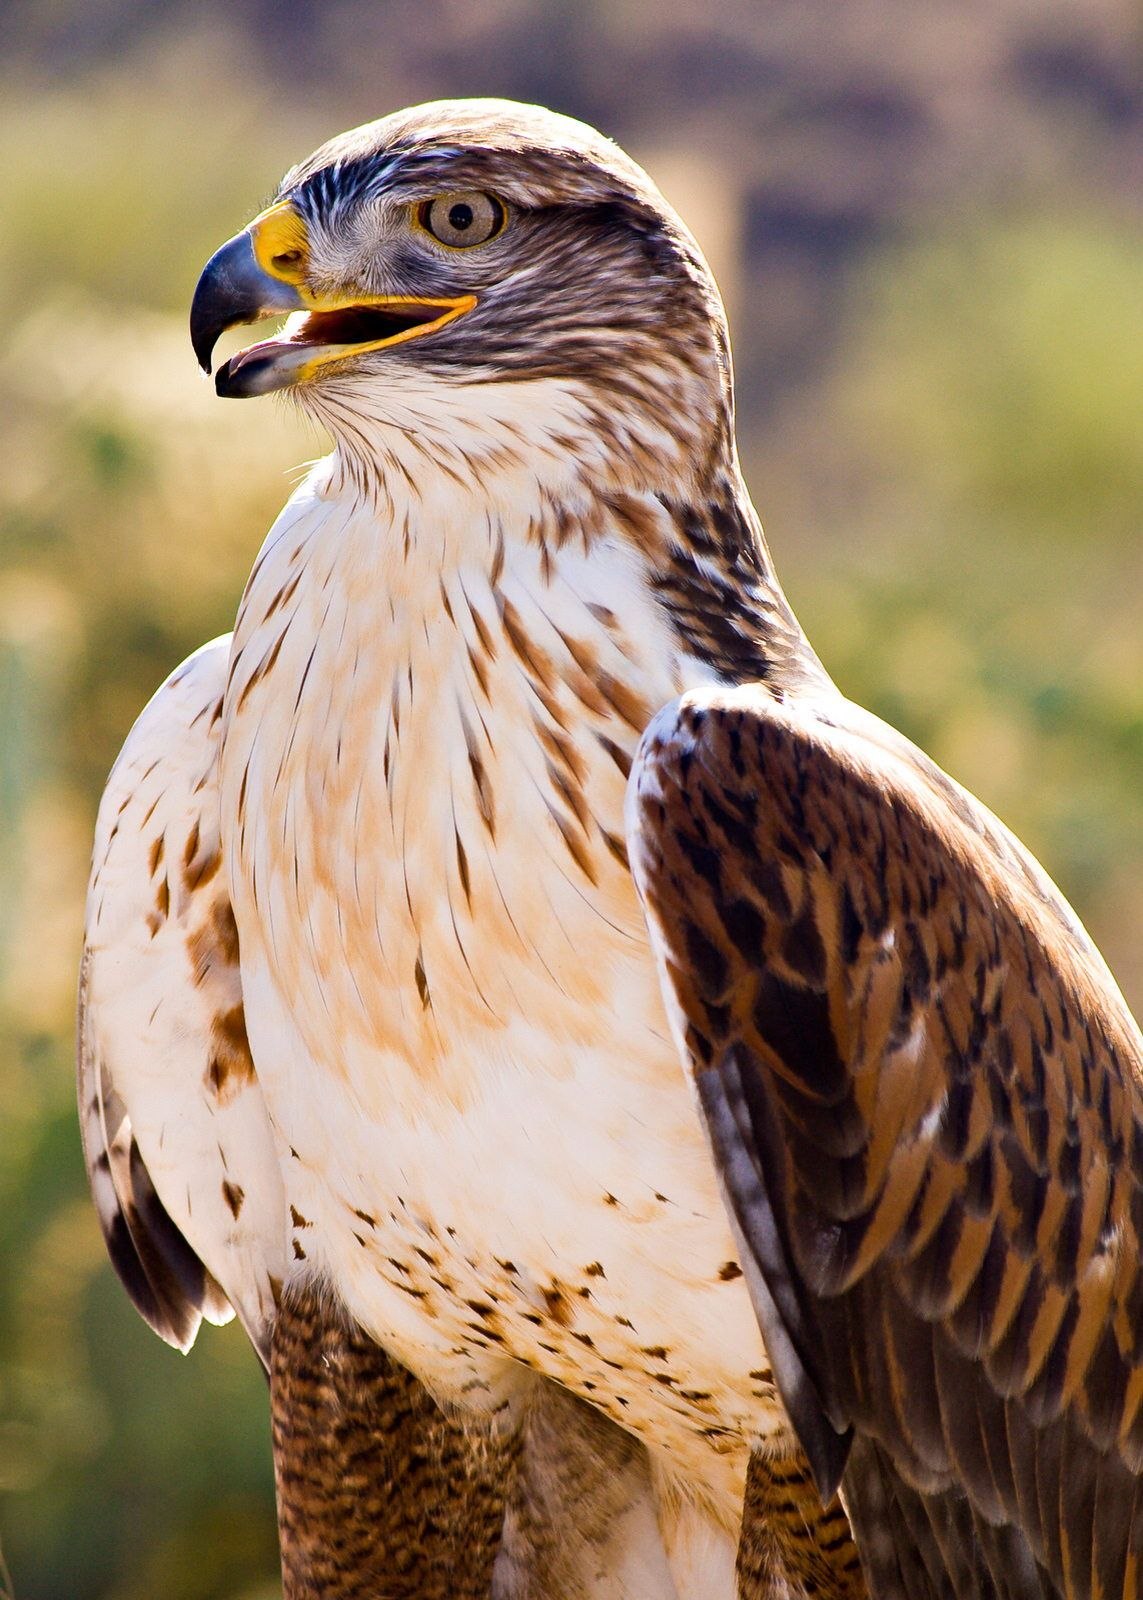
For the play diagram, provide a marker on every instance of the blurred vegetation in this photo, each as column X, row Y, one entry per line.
column 928, row 225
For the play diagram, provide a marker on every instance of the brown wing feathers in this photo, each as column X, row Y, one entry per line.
column 923, row 1092
column 742, row 1144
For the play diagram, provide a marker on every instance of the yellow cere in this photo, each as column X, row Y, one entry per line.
column 281, row 243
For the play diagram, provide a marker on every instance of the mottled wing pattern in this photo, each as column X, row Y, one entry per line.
column 922, row 1090
column 178, row 1144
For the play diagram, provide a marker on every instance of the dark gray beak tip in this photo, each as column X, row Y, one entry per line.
column 234, row 289
column 213, row 310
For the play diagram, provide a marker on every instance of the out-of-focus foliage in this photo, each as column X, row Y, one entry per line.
column 927, row 223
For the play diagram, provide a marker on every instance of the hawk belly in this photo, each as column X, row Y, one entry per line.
column 450, row 994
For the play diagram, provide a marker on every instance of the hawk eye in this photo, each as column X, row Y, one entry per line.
column 463, row 220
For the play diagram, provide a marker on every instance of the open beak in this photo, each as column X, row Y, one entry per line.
column 262, row 272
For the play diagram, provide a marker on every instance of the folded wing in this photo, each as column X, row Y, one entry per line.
column 179, row 1148
column 923, row 1094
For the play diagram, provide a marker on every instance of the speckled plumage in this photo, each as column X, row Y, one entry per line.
column 924, row 1094
column 667, row 1188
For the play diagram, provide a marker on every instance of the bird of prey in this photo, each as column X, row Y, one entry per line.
column 521, row 985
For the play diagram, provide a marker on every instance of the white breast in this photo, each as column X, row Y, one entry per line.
column 450, row 994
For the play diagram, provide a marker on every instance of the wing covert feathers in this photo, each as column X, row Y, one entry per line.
column 177, row 1141
column 924, row 1096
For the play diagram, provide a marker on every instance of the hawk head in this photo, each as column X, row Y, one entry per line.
column 475, row 242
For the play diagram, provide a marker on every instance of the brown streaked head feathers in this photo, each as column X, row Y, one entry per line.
column 592, row 280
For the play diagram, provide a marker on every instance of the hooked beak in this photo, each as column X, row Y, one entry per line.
column 262, row 272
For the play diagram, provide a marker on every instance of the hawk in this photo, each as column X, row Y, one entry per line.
column 600, row 1065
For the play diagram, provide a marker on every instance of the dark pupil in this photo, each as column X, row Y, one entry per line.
column 460, row 217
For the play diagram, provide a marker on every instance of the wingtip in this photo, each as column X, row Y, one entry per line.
column 165, row 1311
column 826, row 1450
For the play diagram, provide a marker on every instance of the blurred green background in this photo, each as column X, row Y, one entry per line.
column 928, row 223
